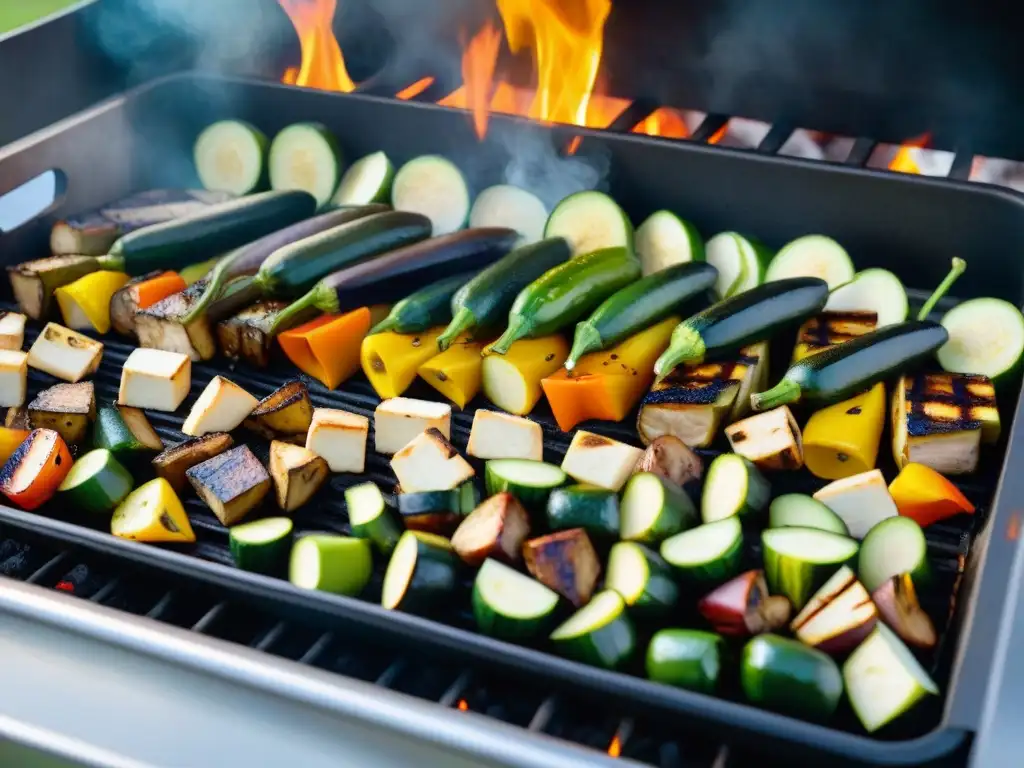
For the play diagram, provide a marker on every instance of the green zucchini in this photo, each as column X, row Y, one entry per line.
column 437, row 512
column 422, row 573
column 686, row 658
column 305, row 156
column 370, row 518
column 595, row 510
column 485, row 300
column 986, row 336
column 745, row 318
column 798, row 561
column 126, row 433
column 96, row 483
column 812, row 256
column 434, row 186
column 229, row 157
column 529, row 481
column 788, row 677
column 367, row 180
column 341, row 565
column 510, row 605
column 640, row 305
column 590, row 220
column 894, row 546
column 795, row 510
column 664, row 240
column 261, row 546
column 424, row 308
column 643, row 578
column 654, row 509
column 708, row 554
column 600, row 633
column 740, row 261
column 733, row 486
column 562, row 295
column 218, row 229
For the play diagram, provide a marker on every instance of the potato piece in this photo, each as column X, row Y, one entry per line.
column 671, row 459
column 67, row 409
column 297, row 473
column 430, row 463
column 285, row 414
column 566, row 562
column 600, row 461
column 497, row 528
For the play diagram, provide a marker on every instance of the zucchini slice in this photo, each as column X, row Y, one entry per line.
column 504, row 205
column 707, row 554
column 600, row 633
column 733, row 486
column 653, row 509
column 740, row 263
column 511, row 605
column 434, row 187
column 595, row 510
column 229, row 157
column 894, row 546
column 795, row 510
column 986, row 336
column 788, row 677
column 812, row 256
column 368, row 180
column 96, row 482
column 422, row 573
column 686, row 658
column 872, row 290
column 590, row 221
column 529, row 481
column 369, row 517
column 664, row 240
column 798, row 561
column 341, row 565
column 305, row 156
column 643, row 579
column 261, row 546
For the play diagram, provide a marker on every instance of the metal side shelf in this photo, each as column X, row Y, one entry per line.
column 86, row 685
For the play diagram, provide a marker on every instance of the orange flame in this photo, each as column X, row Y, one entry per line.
column 415, row 89
column 462, row 705
column 905, row 160
column 664, row 121
column 615, row 748
column 323, row 65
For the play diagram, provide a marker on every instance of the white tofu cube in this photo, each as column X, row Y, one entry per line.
column 64, row 353
column 430, row 463
column 12, row 330
column 13, row 377
column 770, row 439
column 497, row 435
column 221, row 408
column 340, row 438
column 862, row 501
column 600, row 461
column 155, row 379
column 398, row 420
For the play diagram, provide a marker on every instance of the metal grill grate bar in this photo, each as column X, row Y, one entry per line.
column 48, row 568
column 860, row 153
column 317, row 649
column 545, row 713
column 456, row 690
column 210, row 618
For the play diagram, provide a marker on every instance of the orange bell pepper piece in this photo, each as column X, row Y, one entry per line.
column 149, row 292
column 925, row 496
column 327, row 348
column 31, row 476
column 10, row 439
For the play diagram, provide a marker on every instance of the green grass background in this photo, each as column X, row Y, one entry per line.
column 16, row 13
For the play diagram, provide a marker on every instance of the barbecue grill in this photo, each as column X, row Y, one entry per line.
column 317, row 660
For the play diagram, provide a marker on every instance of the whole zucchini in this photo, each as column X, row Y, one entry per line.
column 424, row 308
column 562, row 295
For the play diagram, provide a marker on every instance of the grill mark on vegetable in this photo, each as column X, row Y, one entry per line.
column 594, row 441
column 551, row 357
column 739, row 437
column 168, row 523
column 955, row 391
column 855, row 411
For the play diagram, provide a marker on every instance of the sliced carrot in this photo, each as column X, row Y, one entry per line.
column 31, row 476
column 327, row 348
column 925, row 496
column 149, row 292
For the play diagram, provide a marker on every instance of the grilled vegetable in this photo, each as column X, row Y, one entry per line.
column 897, row 604
column 642, row 578
column 248, row 335
column 566, row 562
column 590, row 220
column 685, row 658
column 665, row 241
column 327, row 347
column 96, row 483
column 496, row 435
column 562, row 295
column 595, row 510
column 434, row 187
column 141, row 293
column 33, row 282
column 456, row 373
column 639, row 305
column 67, row 409
column 484, row 302
column 85, row 303
column 838, row 617
column 812, row 256
column 367, row 180
column 222, row 407
column 35, row 470
column 12, row 331
column 297, row 474
column 986, row 337
column 941, row 420
column 509, row 605
column 285, row 414
column 893, row 547
column 513, row 381
column 437, row 512
column 193, row 273
column 746, row 318
column 422, row 573
column 390, row 360
column 425, row 308
column 398, row 420
column 740, row 261
column 884, row 680
column 798, row 561
column 529, row 481
column 861, row 501
column 654, row 508
column 600, row 633
column 174, row 462
column 925, row 496
column 154, row 379
column 340, row 437
column 842, row 439
column 305, row 156
column 126, row 433
column 430, row 463
column 64, row 353
column 229, row 157
column 733, row 487
column 607, row 385
column 708, row 554
column 504, row 205
column 599, row 460
column 771, row 440
column 830, row 329
column 669, row 458
column 370, row 518
column 786, row 676
column 495, row 529
column 742, row 607
column 152, row 513
column 794, row 510
column 877, row 291
column 261, row 546
column 231, row 484
column 17, row 418
column 13, row 377
column 10, row 439
column 341, row 565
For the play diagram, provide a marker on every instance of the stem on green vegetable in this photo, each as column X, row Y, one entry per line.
column 587, row 339
column 462, row 321
column 517, row 329
column 687, row 346
column 959, row 265
column 783, row 393
column 215, row 282
column 288, row 314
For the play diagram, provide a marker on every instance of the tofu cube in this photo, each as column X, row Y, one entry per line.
column 497, row 435
column 64, row 353
column 862, row 501
column 221, row 407
column 340, row 438
column 600, row 461
column 12, row 330
column 13, row 377
column 155, row 379
column 297, row 473
column 231, row 484
column 771, row 439
column 430, row 463
column 68, row 409
column 398, row 420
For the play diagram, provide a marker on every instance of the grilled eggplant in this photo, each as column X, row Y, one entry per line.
column 247, row 335
column 64, row 353
column 67, row 409
column 35, row 281
column 297, row 473
column 497, row 528
column 172, row 463
column 138, row 294
column 285, row 414
column 742, row 607
column 17, row 418
column 566, row 562
column 231, row 484
column 771, row 439
column 829, row 329
column 941, row 419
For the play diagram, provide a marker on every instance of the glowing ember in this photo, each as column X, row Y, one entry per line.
column 718, row 135
column 615, row 748
column 462, row 706
column 906, row 160
column 323, row 65
column 411, row 91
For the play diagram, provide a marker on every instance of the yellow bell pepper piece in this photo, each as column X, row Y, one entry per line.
column 512, row 381
column 390, row 360
column 456, row 372
column 152, row 512
column 842, row 440
column 85, row 303
column 607, row 385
